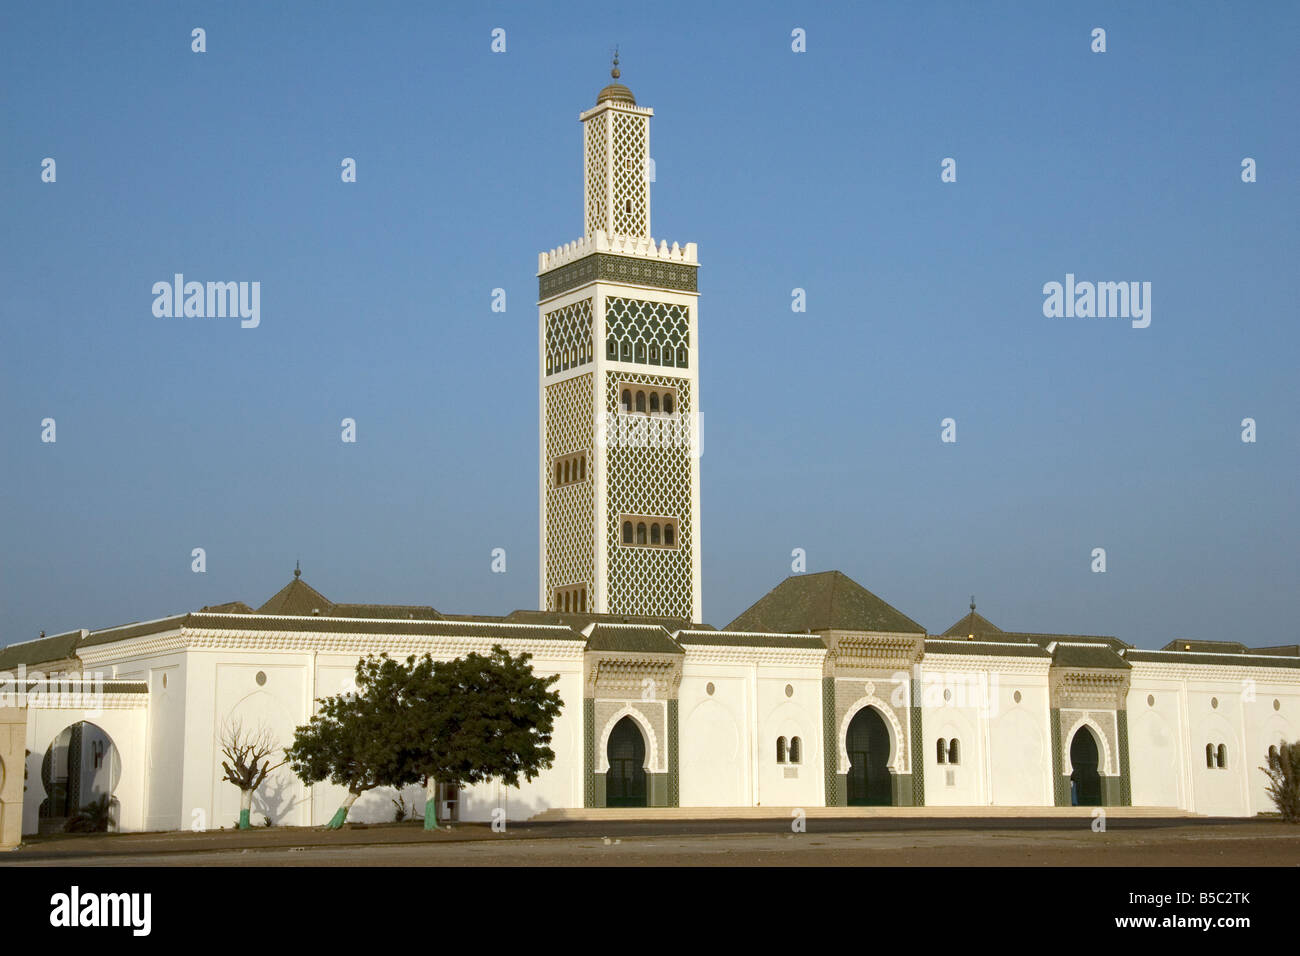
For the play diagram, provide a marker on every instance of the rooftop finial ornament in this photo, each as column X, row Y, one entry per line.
column 297, row 568
column 614, row 72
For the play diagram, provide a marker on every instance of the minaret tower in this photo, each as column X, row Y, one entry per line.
column 619, row 382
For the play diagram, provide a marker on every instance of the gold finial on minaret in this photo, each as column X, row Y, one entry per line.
column 614, row 72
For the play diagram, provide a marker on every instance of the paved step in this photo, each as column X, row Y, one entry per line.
column 772, row 813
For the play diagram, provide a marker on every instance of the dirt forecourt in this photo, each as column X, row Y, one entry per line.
column 843, row 842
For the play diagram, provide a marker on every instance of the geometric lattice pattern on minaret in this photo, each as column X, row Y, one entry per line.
column 631, row 188
column 568, row 337
column 594, row 149
column 570, row 512
column 653, row 481
column 648, row 333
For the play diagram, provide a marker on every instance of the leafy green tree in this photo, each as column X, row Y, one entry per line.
column 359, row 740
column 477, row 718
column 459, row 722
column 1283, row 772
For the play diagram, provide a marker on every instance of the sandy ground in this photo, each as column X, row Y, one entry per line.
column 698, row 843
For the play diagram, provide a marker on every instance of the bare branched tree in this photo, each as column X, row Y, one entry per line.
column 248, row 756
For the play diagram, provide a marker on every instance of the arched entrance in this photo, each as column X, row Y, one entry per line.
column 80, row 770
column 1085, row 781
column 867, row 744
column 625, row 779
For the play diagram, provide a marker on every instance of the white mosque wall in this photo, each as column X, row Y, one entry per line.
column 1157, row 742
column 728, row 738
column 1020, row 742
column 1272, row 715
column 194, row 691
column 1004, row 754
column 171, row 777
column 1175, row 711
column 121, row 727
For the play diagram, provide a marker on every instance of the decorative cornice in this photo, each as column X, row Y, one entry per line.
column 622, row 674
column 749, row 654
column 852, row 652
column 946, row 663
column 1181, row 671
column 638, row 247
column 359, row 643
column 615, row 106
column 1088, row 688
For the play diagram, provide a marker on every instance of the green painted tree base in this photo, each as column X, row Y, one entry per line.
column 243, row 820
column 430, row 815
column 339, row 818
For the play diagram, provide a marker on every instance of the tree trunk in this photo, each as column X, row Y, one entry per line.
column 431, row 805
column 341, row 815
column 245, row 804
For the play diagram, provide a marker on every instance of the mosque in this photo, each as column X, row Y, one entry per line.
column 820, row 694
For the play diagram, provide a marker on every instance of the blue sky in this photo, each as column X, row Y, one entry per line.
column 817, row 170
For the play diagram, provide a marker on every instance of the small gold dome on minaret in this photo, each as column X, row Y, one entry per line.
column 616, row 92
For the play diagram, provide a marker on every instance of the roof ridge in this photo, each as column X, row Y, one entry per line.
column 376, row 620
column 47, row 637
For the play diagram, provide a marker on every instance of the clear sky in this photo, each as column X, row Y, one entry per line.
column 817, row 170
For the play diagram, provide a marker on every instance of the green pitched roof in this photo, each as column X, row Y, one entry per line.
column 1265, row 659
column 407, row 612
column 231, row 607
column 43, row 650
column 819, row 602
column 939, row 645
column 975, row 624
column 297, row 597
column 631, row 637
column 1074, row 655
column 1207, row 647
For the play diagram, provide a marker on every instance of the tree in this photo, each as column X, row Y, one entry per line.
column 358, row 740
column 1283, row 773
column 248, row 761
column 478, row 718
column 461, row 721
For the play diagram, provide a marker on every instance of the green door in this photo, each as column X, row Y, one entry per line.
column 625, row 779
column 868, row 748
column 1085, row 781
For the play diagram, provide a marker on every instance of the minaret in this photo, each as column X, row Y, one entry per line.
column 619, row 383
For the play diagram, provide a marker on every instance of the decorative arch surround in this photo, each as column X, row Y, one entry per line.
column 1276, row 729
column 647, row 732
column 898, row 757
column 1107, row 767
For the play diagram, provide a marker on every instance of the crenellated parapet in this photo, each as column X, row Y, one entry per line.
column 641, row 248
